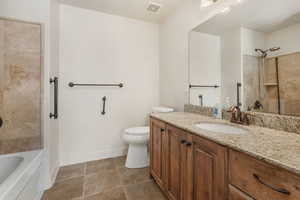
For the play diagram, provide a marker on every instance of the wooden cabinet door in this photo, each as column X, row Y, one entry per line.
column 187, row 168
column 158, row 142
column 176, row 152
column 209, row 168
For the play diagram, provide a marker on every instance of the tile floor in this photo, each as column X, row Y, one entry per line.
column 103, row 180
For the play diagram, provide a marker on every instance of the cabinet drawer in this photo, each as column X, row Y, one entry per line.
column 261, row 180
column 236, row 194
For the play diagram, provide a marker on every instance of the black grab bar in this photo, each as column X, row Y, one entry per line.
column 120, row 85
column 54, row 81
column 204, row 86
column 238, row 93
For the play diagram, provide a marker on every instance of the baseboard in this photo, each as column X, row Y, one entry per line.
column 80, row 157
column 54, row 175
column 48, row 177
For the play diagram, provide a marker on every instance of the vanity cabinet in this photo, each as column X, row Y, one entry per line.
column 187, row 167
column 190, row 167
column 260, row 180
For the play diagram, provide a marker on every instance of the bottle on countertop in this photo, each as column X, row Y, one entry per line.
column 227, row 103
column 217, row 113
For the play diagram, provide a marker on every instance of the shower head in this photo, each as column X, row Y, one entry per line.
column 274, row 49
column 264, row 53
column 260, row 50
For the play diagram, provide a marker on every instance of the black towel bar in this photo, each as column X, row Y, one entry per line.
column 204, row 86
column 120, row 85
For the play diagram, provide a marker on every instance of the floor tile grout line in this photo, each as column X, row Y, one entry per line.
column 125, row 193
column 84, row 182
column 66, row 179
column 118, row 167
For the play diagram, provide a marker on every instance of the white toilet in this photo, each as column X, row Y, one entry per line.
column 137, row 138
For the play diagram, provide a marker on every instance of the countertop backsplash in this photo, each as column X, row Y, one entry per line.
column 202, row 110
column 268, row 120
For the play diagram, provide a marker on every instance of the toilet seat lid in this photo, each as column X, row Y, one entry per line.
column 143, row 130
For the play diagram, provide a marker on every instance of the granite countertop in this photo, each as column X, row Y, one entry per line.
column 275, row 147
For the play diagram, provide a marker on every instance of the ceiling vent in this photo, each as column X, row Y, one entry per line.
column 153, row 7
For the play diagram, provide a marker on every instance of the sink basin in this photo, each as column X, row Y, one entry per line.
column 221, row 128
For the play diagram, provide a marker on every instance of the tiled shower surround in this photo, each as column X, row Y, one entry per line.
column 267, row 91
column 20, row 86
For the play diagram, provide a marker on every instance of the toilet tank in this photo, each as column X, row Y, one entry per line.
column 161, row 109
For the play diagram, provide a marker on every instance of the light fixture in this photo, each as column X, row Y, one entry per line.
column 153, row 7
column 239, row 1
column 206, row 3
column 225, row 10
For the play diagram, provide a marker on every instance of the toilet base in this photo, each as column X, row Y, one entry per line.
column 137, row 156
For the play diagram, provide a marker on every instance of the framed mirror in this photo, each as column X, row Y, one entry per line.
column 252, row 62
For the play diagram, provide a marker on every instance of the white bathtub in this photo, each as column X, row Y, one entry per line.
column 20, row 175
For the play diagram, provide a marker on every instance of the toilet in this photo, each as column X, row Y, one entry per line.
column 137, row 139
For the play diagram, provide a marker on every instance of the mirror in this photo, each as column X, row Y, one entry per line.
column 249, row 57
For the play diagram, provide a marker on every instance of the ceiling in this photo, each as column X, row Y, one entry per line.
column 261, row 15
column 136, row 9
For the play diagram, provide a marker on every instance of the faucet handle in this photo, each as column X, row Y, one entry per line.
column 245, row 118
column 231, row 109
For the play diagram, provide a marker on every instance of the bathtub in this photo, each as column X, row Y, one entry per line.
column 20, row 176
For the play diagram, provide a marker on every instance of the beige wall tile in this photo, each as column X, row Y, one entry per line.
column 20, row 145
column 20, row 36
column 1, row 72
column 20, row 86
column 289, row 79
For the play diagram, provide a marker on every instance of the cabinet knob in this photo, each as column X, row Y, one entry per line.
column 162, row 130
column 188, row 144
column 183, row 141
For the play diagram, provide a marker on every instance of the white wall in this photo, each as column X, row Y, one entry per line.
column 231, row 60
column 287, row 39
column 102, row 48
column 252, row 40
column 205, row 67
column 53, row 141
column 174, row 33
column 40, row 12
